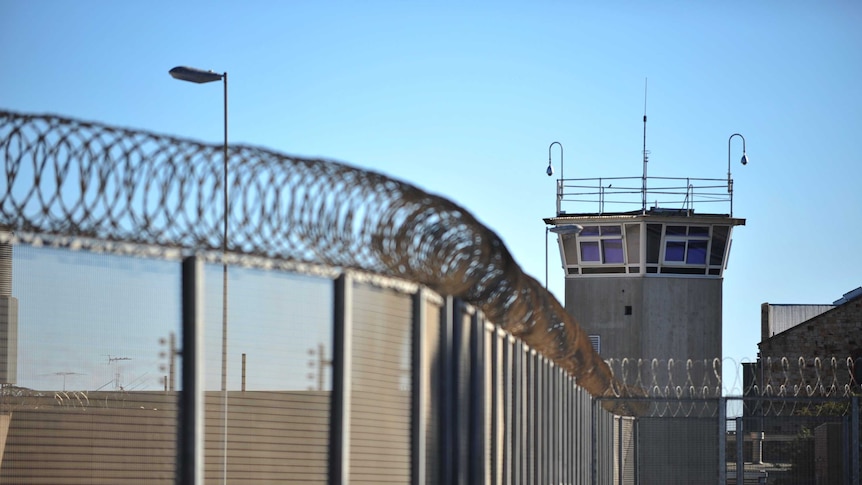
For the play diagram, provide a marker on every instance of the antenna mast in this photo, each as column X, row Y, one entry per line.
column 646, row 156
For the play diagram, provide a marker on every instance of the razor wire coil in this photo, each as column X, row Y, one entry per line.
column 76, row 179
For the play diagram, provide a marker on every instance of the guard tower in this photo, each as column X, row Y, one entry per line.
column 644, row 259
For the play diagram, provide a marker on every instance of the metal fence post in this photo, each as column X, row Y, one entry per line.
column 460, row 403
column 740, row 445
column 476, row 458
column 191, row 416
column 496, row 404
column 508, row 402
column 854, row 441
column 722, row 440
column 448, row 394
column 339, row 426
column 594, row 437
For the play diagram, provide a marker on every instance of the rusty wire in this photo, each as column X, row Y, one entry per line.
column 66, row 177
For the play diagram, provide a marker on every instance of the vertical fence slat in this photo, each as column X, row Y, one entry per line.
column 419, row 378
column 339, row 437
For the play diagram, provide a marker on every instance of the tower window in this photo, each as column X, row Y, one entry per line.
column 686, row 245
column 602, row 245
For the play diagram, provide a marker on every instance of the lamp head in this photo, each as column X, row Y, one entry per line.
column 550, row 170
column 572, row 229
column 744, row 159
column 194, row 75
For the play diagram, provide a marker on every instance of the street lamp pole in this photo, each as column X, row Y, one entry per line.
column 744, row 161
column 550, row 171
column 199, row 76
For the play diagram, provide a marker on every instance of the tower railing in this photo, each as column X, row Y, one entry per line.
column 608, row 195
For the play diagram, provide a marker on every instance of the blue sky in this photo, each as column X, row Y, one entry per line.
column 463, row 100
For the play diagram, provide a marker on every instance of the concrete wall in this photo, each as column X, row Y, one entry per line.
column 671, row 317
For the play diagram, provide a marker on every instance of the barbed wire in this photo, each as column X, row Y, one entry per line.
column 782, row 377
column 772, row 387
column 74, row 179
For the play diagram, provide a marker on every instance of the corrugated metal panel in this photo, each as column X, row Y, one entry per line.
column 785, row 317
column 272, row 437
column 122, row 437
column 380, row 380
column 624, row 458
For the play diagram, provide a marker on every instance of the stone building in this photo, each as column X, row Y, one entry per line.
column 820, row 355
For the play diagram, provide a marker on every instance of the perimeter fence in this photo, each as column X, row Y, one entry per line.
column 777, row 420
column 333, row 377
column 364, row 332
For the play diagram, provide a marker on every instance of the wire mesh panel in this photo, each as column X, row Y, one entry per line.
column 271, row 422
column 678, row 450
column 794, row 440
column 97, row 387
column 380, row 379
column 91, row 401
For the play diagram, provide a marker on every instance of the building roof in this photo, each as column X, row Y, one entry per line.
column 813, row 320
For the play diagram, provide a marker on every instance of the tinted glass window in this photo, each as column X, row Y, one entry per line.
column 676, row 230
column 698, row 231
column 570, row 249
column 696, row 252
column 590, row 231
column 613, row 250
column 590, row 251
column 633, row 241
column 653, row 242
column 675, row 251
column 719, row 242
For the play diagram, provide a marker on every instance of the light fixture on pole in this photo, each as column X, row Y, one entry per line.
column 743, row 160
column 570, row 229
column 550, row 170
column 563, row 229
column 200, row 76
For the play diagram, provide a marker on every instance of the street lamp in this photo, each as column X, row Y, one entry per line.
column 550, row 170
column 563, row 229
column 744, row 161
column 199, row 76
